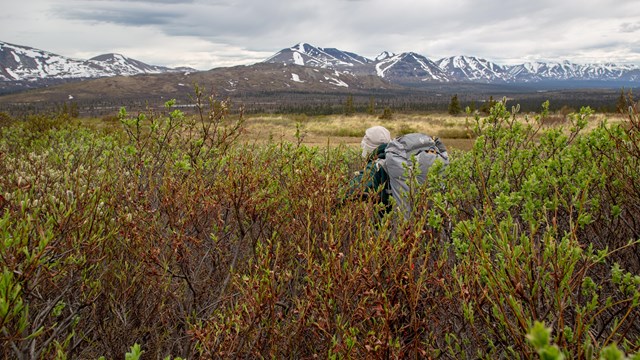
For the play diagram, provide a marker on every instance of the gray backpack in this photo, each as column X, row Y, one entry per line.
column 400, row 153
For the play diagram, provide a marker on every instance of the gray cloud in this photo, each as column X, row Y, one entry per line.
column 122, row 12
column 630, row 27
column 224, row 31
column 151, row 2
column 129, row 18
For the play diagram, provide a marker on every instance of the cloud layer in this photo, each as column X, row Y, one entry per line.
column 207, row 34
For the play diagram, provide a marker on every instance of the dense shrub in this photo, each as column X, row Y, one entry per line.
column 541, row 234
column 455, row 134
column 176, row 236
column 5, row 119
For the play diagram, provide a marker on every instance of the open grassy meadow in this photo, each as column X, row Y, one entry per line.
column 166, row 235
column 348, row 130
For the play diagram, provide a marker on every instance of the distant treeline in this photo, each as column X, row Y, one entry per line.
column 436, row 98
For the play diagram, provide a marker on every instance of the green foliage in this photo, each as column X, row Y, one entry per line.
column 540, row 338
column 473, row 106
column 371, row 107
column 344, row 131
column 454, row 106
column 621, row 104
column 134, row 354
column 612, row 352
column 176, row 235
column 38, row 124
column 486, row 106
column 349, row 107
column 386, row 114
column 540, row 192
column 69, row 110
column 404, row 129
column 455, row 134
column 5, row 119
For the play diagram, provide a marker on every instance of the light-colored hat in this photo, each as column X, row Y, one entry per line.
column 374, row 137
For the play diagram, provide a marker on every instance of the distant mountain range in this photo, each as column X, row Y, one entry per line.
column 22, row 63
column 411, row 68
column 303, row 67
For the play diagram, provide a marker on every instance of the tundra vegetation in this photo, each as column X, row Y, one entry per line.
column 176, row 237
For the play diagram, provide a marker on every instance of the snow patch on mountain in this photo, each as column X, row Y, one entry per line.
column 386, row 64
column 336, row 81
column 384, row 55
column 297, row 59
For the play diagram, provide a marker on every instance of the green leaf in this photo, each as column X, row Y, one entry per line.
column 612, row 352
column 135, row 353
column 539, row 336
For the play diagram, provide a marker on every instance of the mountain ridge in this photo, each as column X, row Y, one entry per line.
column 412, row 67
column 23, row 63
column 304, row 67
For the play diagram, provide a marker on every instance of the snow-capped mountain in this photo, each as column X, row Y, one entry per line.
column 469, row 68
column 22, row 63
column 309, row 55
column 307, row 67
column 411, row 68
column 405, row 67
column 384, row 55
column 566, row 70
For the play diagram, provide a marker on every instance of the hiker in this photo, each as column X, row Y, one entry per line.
column 373, row 180
column 390, row 164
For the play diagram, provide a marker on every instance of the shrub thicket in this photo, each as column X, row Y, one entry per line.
column 175, row 236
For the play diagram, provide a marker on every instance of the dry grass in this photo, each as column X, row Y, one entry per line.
column 348, row 130
column 336, row 130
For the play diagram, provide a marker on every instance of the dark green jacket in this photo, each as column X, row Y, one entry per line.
column 373, row 180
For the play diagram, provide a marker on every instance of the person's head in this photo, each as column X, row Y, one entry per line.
column 374, row 137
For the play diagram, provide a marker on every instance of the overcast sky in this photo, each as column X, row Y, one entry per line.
column 212, row 33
